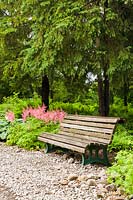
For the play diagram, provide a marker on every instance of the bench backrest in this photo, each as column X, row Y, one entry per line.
column 96, row 129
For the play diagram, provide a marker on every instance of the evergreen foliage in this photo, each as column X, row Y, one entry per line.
column 64, row 40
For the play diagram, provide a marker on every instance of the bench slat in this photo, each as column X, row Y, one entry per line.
column 93, row 118
column 92, row 124
column 82, row 132
column 61, row 144
column 84, row 138
column 64, row 139
column 93, row 129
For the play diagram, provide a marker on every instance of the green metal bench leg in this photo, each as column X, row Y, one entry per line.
column 48, row 148
column 105, row 157
column 95, row 158
column 83, row 159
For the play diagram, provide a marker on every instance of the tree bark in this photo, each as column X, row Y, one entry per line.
column 45, row 91
column 125, row 90
column 105, row 69
column 101, row 96
column 106, row 93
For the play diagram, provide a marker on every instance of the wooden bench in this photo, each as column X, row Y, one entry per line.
column 88, row 135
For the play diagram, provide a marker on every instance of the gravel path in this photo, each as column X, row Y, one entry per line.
column 33, row 175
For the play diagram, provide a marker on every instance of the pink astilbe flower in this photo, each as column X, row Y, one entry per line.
column 34, row 112
column 39, row 113
column 60, row 115
column 25, row 114
column 53, row 116
column 10, row 116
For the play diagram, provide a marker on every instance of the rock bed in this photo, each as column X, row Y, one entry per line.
column 33, row 175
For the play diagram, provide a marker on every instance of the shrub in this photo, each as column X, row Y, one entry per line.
column 75, row 108
column 122, row 139
column 119, row 110
column 16, row 105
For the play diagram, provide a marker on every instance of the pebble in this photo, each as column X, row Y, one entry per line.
column 33, row 175
column 82, row 178
column 70, row 161
column 64, row 182
column 91, row 182
column 111, row 187
column 72, row 177
column 100, row 194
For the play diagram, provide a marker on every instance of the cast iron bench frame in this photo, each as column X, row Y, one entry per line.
column 88, row 135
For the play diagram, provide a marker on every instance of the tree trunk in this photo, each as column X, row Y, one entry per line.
column 125, row 90
column 106, row 94
column 105, row 68
column 125, row 95
column 101, row 96
column 45, row 91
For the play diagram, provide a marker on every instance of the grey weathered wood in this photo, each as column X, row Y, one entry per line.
column 65, row 139
column 87, row 128
column 87, row 138
column 87, row 133
column 68, row 146
column 93, row 118
column 92, row 124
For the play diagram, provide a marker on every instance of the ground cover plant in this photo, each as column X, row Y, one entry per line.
column 122, row 140
column 121, row 173
column 25, row 134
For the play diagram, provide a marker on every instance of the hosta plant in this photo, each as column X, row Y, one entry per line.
column 4, row 125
